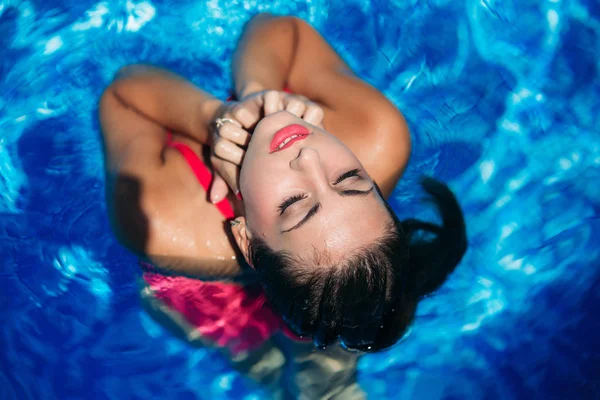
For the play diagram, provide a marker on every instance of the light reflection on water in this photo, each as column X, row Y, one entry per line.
column 502, row 99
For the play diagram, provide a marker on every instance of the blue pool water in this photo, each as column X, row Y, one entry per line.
column 503, row 101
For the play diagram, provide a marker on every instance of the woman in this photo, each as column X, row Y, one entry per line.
column 313, row 225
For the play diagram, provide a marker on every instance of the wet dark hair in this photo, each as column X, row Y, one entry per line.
column 368, row 300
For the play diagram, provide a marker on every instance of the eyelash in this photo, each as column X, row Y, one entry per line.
column 346, row 175
column 293, row 199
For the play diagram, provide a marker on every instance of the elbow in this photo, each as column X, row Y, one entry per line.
column 126, row 75
column 121, row 79
column 284, row 24
column 267, row 17
column 111, row 100
column 121, row 84
column 106, row 103
column 391, row 131
column 405, row 148
column 131, row 70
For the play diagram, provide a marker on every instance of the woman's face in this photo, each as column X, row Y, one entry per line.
column 312, row 194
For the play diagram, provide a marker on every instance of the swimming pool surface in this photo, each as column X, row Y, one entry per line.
column 503, row 101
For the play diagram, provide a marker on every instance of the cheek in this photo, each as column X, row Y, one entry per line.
column 259, row 190
column 258, row 178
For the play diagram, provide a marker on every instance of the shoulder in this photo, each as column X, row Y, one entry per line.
column 386, row 145
column 145, row 201
column 375, row 130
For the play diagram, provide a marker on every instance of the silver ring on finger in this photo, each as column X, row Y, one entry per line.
column 219, row 122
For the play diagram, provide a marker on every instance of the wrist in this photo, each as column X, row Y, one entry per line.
column 250, row 88
column 210, row 110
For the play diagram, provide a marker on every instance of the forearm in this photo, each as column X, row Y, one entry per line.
column 265, row 54
column 167, row 99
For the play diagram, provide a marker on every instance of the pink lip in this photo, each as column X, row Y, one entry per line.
column 285, row 133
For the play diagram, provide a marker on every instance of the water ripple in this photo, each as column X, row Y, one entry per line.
column 502, row 99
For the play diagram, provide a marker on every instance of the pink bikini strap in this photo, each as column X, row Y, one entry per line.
column 201, row 171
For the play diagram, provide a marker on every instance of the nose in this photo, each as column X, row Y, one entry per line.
column 308, row 162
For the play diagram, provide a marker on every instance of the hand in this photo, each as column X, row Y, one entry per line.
column 252, row 108
column 273, row 101
column 231, row 136
column 228, row 139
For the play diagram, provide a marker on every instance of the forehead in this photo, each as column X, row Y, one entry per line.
column 340, row 228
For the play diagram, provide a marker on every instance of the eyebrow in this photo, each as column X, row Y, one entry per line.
column 317, row 207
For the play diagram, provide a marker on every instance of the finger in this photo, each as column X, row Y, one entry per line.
column 313, row 114
column 228, row 172
column 218, row 189
column 295, row 106
column 228, row 151
column 246, row 113
column 234, row 133
column 272, row 102
column 228, row 120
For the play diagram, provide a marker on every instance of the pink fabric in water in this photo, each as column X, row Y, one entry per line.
column 228, row 315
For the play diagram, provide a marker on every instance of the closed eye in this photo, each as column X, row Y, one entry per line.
column 289, row 201
column 355, row 192
column 346, row 175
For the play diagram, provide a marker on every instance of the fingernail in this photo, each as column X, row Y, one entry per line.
column 238, row 194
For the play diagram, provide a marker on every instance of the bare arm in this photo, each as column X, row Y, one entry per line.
column 168, row 99
column 151, row 193
column 278, row 51
column 264, row 55
column 158, row 97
